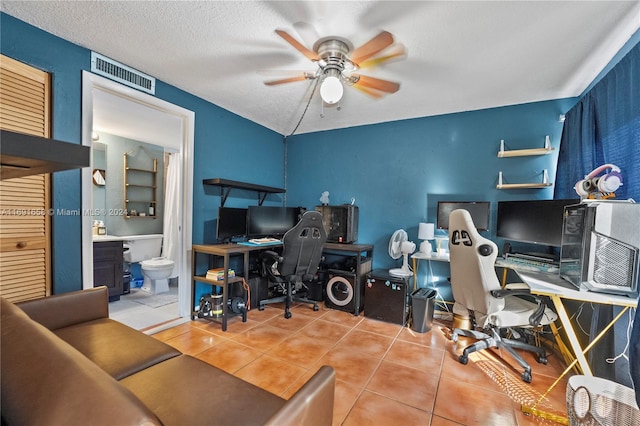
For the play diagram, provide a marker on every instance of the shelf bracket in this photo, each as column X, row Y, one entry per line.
column 545, row 182
column 261, row 197
column 224, row 193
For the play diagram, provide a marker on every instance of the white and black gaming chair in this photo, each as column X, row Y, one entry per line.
column 480, row 299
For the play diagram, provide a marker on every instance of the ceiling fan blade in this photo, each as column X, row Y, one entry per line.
column 299, row 46
column 398, row 52
column 373, row 46
column 286, row 80
column 307, row 32
column 376, row 83
column 368, row 92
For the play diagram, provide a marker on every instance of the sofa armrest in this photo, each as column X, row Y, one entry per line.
column 63, row 310
column 312, row 404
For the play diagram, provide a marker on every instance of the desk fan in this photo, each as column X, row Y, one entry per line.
column 400, row 246
column 599, row 402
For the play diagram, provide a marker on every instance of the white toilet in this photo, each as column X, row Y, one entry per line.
column 156, row 274
column 156, row 270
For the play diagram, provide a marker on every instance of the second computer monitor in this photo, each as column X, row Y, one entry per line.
column 268, row 221
column 479, row 211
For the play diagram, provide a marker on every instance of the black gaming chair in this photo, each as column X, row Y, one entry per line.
column 301, row 255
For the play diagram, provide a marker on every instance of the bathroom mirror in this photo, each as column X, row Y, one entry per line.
column 99, row 177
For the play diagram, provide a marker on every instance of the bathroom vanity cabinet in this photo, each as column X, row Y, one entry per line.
column 108, row 267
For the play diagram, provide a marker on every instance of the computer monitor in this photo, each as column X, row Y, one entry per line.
column 479, row 211
column 268, row 221
column 532, row 221
column 232, row 223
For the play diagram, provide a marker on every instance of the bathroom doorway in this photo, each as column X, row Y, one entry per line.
column 116, row 109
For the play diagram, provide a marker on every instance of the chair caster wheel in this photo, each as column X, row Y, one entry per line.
column 464, row 359
column 261, row 308
column 542, row 360
column 287, row 315
column 316, row 308
column 526, row 377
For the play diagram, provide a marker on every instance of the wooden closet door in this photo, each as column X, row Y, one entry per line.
column 24, row 202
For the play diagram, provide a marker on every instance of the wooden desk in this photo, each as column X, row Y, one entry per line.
column 225, row 251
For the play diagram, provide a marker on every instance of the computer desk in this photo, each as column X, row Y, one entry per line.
column 557, row 289
column 554, row 287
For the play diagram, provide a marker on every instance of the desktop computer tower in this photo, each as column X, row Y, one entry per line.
column 340, row 222
column 601, row 246
column 386, row 297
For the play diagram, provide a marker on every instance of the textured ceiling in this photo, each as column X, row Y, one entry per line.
column 461, row 55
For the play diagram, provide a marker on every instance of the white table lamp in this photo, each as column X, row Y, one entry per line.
column 426, row 233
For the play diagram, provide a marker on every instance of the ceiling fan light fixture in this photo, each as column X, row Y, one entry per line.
column 331, row 89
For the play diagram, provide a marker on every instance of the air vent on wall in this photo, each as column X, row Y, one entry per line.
column 121, row 73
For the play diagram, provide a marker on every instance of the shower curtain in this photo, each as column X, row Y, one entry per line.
column 172, row 213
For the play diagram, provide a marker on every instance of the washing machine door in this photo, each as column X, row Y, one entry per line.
column 340, row 291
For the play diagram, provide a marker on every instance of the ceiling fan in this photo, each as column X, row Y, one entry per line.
column 338, row 65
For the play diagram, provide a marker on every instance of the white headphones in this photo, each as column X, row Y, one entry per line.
column 605, row 184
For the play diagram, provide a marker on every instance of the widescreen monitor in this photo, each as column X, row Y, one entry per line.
column 479, row 211
column 532, row 221
column 232, row 223
column 268, row 221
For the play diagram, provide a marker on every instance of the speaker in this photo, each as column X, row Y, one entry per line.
column 342, row 290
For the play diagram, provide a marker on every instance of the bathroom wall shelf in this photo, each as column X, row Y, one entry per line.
column 544, row 184
column 526, row 152
column 227, row 185
column 140, row 186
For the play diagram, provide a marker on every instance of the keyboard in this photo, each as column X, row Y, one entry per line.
column 527, row 264
column 264, row 240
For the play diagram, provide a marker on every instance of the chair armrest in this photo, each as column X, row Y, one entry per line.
column 536, row 316
column 66, row 309
column 312, row 404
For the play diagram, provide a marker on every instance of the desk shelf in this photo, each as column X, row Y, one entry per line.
column 227, row 185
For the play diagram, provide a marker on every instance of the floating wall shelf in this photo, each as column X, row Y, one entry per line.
column 544, row 184
column 226, row 185
column 526, row 152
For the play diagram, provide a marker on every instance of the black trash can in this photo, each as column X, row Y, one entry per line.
column 422, row 301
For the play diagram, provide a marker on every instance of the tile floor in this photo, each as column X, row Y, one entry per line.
column 386, row 374
column 140, row 316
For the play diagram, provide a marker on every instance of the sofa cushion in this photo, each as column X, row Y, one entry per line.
column 187, row 391
column 116, row 348
column 62, row 310
column 45, row 381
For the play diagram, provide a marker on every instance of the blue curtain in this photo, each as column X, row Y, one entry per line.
column 604, row 127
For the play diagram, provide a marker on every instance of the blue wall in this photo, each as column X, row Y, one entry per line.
column 226, row 145
column 397, row 171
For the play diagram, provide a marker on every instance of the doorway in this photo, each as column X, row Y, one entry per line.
column 118, row 109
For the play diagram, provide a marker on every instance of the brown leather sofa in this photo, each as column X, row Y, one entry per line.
column 64, row 362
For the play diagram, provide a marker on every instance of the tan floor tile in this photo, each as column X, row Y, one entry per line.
column 301, row 350
column 351, row 366
column 229, row 356
column 292, row 324
column 408, row 385
column 371, row 344
column 441, row 421
column 423, row 358
column 345, row 396
column 235, row 326
column 379, row 327
column 263, row 337
column 480, row 407
column 169, row 333
column 342, row 317
column 434, row 338
column 194, row 341
column 479, row 369
column 372, row 409
column 264, row 315
column 326, row 330
column 271, row 374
